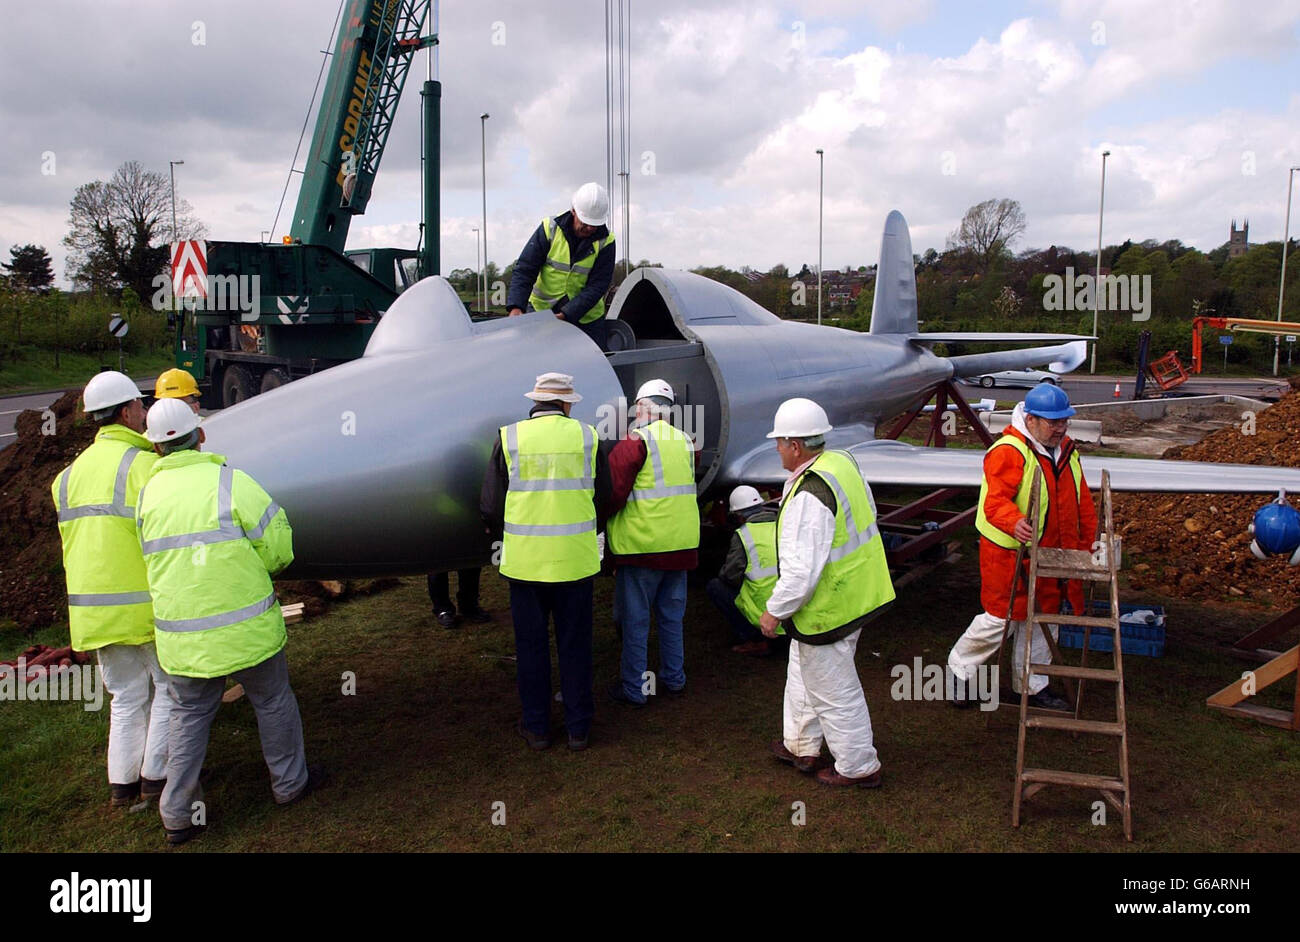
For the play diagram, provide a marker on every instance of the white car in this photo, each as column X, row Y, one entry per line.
column 1027, row 378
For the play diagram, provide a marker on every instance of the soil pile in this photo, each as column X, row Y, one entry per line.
column 32, row 589
column 1197, row 545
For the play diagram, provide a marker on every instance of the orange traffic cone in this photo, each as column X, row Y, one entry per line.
column 1117, row 390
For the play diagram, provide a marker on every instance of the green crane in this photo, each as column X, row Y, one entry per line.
column 268, row 313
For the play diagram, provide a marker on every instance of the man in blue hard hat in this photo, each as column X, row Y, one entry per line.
column 1066, row 519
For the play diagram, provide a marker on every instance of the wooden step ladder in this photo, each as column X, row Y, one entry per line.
column 1100, row 568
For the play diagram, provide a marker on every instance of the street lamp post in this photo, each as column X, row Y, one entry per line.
column 482, row 121
column 821, row 202
column 266, row 234
column 171, row 167
column 1096, row 285
column 478, row 268
column 1281, row 288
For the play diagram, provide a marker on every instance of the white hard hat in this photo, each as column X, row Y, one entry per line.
column 743, row 497
column 169, row 419
column 109, row 389
column 799, row 418
column 591, row 204
column 655, row 387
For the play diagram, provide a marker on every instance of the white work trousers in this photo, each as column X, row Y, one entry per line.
column 980, row 640
column 139, row 712
column 824, row 699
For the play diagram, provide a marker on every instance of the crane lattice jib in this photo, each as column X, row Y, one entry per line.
column 376, row 42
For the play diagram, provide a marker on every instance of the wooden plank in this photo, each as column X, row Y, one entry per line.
column 1095, row 621
column 1263, row 635
column 233, row 694
column 1265, row 674
column 1070, row 724
column 1080, row 673
column 292, row 612
column 1073, row 779
column 1256, row 712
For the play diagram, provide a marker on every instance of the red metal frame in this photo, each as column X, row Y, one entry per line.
column 908, row 518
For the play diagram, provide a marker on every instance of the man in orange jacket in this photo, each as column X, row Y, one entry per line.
column 1067, row 519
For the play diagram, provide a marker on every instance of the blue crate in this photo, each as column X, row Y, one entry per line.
column 1142, row 640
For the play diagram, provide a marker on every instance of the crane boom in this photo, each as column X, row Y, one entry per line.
column 376, row 42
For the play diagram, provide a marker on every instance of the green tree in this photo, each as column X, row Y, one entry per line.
column 988, row 228
column 119, row 230
column 29, row 267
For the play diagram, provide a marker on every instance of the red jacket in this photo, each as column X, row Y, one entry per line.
column 1071, row 523
column 625, row 461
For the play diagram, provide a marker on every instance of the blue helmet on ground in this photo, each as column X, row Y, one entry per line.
column 1276, row 531
column 1048, row 401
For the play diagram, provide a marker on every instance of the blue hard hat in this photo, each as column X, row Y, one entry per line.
column 1048, row 401
column 1277, row 529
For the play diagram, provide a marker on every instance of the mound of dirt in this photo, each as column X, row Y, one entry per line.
column 1197, row 545
column 32, row 589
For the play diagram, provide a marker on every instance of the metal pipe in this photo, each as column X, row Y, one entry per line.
column 482, row 120
column 821, row 196
column 430, row 180
column 171, row 167
column 1096, row 287
column 1281, row 288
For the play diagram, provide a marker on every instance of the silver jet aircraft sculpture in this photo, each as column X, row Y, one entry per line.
column 378, row 462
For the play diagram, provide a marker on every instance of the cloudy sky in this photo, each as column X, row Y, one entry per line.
column 925, row 106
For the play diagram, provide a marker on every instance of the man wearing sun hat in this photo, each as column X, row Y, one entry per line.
column 544, row 482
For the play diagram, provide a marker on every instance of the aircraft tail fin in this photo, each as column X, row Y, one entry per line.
column 893, row 311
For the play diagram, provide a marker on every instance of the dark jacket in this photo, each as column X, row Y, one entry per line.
column 733, row 568
column 533, row 256
column 492, row 497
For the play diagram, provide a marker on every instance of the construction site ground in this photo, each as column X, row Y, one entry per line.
column 426, row 745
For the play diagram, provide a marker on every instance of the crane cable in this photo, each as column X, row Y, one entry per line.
column 307, row 118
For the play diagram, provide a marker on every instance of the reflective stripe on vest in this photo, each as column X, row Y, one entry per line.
column 220, row 620
column 109, row 598
column 661, row 514
column 117, row 508
column 855, row 580
column 760, row 580
column 550, row 513
column 227, row 529
column 1024, row 492
column 560, row 276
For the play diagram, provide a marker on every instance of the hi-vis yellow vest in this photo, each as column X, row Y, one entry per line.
column 563, row 277
column 759, row 541
column 982, row 522
column 211, row 537
column 95, row 497
column 855, row 581
column 661, row 514
column 550, row 515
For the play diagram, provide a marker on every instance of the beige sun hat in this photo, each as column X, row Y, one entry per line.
column 550, row 387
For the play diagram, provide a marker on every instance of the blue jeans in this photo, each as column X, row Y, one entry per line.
column 638, row 589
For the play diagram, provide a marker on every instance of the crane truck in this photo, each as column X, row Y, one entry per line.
column 316, row 303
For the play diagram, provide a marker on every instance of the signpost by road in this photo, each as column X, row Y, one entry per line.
column 118, row 327
column 1226, row 341
column 1290, row 347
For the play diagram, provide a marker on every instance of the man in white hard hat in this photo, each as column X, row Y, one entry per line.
column 832, row 580
column 653, row 538
column 212, row 539
column 545, row 482
column 742, row 587
column 568, row 264
column 109, row 608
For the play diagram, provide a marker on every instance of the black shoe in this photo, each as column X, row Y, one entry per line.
column 960, row 689
column 151, row 788
column 124, row 796
column 445, row 619
column 316, row 777
column 1046, row 700
column 673, row 692
column 177, row 836
column 577, row 743
column 619, row 695
column 533, row 739
column 478, row 616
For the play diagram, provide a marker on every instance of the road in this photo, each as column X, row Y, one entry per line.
column 10, row 406
column 1087, row 388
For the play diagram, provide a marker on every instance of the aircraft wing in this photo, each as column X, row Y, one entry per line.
column 888, row 462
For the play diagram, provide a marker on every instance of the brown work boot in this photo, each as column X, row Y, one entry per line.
column 151, row 788
column 805, row 764
column 828, row 776
column 124, row 796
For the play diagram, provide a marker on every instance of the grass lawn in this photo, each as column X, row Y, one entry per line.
column 36, row 372
column 426, row 747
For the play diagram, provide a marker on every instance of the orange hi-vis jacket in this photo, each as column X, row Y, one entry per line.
column 1071, row 523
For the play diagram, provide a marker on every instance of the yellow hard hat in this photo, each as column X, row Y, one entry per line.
column 175, row 384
